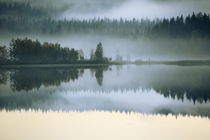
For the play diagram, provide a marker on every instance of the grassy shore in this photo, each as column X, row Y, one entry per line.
column 52, row 65
column 179, row 63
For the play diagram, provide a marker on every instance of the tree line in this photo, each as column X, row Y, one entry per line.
column 50, row 26
column 27, row 51
column 192, row 25
column 35, row 19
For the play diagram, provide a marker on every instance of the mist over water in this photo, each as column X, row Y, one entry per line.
column 144, row 89
column 130, row 48
column 104, row 69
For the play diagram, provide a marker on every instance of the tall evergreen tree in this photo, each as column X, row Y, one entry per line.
column 99, row 52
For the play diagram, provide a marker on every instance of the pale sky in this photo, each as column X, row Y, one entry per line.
column 86, row 9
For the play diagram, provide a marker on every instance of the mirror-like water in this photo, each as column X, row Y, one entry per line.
column 144, row 89
column 109, row 102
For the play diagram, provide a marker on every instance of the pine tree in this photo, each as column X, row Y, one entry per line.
column 99, row 52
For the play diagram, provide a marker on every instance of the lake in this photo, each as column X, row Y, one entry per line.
column 105, row 102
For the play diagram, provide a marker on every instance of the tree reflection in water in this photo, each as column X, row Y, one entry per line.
column 175, row 87
column 27, row 79
column 30, row 78
column 99, row 73
column 3, row 77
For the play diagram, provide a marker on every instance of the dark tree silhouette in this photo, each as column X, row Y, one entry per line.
column 28, row 51
column 99, row 53
column 39, row 20
column 99, row 76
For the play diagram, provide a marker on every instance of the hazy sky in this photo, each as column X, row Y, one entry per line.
column 142, row 9
column 126, row 8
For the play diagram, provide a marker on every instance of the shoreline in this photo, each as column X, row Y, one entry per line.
column 53, row 65
column 178, row 63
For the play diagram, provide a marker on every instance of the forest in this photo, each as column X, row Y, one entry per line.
column 24, row 18
column 27, row 51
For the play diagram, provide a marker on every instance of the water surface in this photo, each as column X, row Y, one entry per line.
column 110, row 102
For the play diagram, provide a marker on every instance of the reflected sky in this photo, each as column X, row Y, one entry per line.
column 116, row 102
column 101, row 125
column 149, row 102
column 145, row 89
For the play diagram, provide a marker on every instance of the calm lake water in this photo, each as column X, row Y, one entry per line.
column 115, row 102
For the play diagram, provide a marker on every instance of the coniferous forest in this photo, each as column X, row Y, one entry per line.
column 27, row 51
column 24, row 18
column 190, row 34
column 104, row 69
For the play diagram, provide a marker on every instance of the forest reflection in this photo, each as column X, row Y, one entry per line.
column 155, row 90
column 26, row 79
column 171, row 86
column 29, row 85
column 3, row 77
